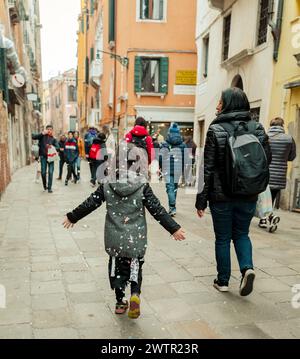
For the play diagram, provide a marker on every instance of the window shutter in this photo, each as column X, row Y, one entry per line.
column 87, row 70
column 111, row 20
column 138, row 74
column 164, row 75
column 161, row 9
column 92, row 7
column 3, row 74
column 92, row 54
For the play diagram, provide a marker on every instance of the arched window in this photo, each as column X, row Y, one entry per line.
column 238, row 82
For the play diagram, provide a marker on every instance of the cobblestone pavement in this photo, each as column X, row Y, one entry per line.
column 57, row 287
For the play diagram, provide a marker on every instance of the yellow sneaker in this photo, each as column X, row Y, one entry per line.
column 135, row 307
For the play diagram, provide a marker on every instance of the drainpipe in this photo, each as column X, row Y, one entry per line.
column 276, row 29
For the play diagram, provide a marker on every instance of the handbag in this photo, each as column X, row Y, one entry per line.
column 52, row 154
column 264, row 204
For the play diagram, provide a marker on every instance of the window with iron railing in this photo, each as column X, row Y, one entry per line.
column 264, row 13
column 226, row 36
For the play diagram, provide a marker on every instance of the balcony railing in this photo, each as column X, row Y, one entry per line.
column 96, row 72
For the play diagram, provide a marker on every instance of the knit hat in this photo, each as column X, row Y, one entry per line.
column 174, row 128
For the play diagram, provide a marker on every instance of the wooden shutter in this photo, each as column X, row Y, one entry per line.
column 92, row 54
column 161, row 9
column 3, row 74
column 164, row 75
column 138, row 74
column 92, row 7
column 87, row 70
column 111, row 21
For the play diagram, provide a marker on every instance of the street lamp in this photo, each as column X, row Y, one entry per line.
column 124, row 61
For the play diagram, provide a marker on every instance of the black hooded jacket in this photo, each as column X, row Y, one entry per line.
column 214, row 159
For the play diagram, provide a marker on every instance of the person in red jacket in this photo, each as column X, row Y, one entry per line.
column 140, row 137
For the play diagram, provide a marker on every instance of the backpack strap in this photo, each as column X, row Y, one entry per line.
column 251, row 125
column 229, row 128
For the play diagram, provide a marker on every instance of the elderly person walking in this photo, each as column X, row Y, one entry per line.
column 283, row 150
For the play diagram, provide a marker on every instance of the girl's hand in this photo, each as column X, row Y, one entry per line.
column 201, row 213
column 179, row 235
column 67, row 224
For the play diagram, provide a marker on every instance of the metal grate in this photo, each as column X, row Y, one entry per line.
column 226, row 36
column 263, row 21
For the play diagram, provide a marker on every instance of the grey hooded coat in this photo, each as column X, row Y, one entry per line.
column 283, row 149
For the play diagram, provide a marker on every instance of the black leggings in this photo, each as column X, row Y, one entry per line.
column 119, row 282
column 275, row 197
column 71, row 171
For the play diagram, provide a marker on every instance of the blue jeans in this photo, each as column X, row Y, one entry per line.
column 77, row 166
column 44, row 165
column 232, row 222
column 172, row 189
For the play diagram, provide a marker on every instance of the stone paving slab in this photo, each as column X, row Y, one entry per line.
column 57, row 285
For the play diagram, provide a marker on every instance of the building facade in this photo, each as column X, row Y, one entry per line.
column 60, row 103
column 140, row 60
column 236, row 42
column 20, row 82
column 285, row 100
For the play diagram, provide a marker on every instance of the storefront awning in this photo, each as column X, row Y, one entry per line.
column 166, row 114
column 292, row 85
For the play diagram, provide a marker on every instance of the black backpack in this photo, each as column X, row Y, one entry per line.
column 246, row 164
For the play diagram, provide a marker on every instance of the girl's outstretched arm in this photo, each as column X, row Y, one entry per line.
column 155, row 208
column 88, row 206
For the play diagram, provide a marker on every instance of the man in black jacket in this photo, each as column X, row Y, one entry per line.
column 46, row 139
column 62, row 143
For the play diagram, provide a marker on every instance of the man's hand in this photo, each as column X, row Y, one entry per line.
column 45, row 132
column 201, row 213
column 179, row 235
column 67, row 224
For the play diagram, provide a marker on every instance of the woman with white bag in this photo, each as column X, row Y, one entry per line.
column 264, row 211
column 283, row 150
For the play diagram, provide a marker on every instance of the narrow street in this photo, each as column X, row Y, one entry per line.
column 57, row 286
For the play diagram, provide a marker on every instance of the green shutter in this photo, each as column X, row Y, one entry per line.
column 138, row 74
column 92, row 7
column 164, row 75
column 92, row 54
column 82, row 24
column 111, row 21
column 161, row 9
column 87, row 70
column 3, row 74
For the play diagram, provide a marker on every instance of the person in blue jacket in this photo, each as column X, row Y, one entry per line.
column 71, row 155
column 172, row 164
